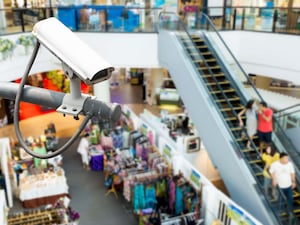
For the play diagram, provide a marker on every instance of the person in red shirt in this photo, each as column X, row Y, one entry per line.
column 264, row 126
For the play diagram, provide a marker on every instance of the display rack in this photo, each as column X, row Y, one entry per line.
column 36, row 217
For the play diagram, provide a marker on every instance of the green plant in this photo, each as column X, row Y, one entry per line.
column 26, row 40
column 6, row 45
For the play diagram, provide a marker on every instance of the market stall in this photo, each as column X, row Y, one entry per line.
column 42, row 189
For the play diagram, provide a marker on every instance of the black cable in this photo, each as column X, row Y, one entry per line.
column 16, row 115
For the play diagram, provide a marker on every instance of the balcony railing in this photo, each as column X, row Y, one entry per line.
column 117, row 18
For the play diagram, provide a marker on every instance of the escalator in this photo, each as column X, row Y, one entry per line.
column 213, row 98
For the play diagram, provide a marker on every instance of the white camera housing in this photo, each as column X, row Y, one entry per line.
column 85, row 63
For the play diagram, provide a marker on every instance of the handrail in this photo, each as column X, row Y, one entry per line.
column 284, row 20
column 287, row 108
column 286, row 114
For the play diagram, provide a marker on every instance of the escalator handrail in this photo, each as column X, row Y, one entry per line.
column 232, row 55
column 287, row 108
column 278, row 115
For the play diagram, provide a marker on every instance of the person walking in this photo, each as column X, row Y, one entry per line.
column 264, row 126
column 269, row 157
column 283, row 176
column 83, row 150
column 251, row 119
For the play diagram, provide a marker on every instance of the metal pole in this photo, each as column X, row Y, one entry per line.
column 54, row 99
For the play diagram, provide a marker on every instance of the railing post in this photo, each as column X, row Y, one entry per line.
column 224, row 15
column 243, row 19
column 275, row 18
column 22, row 19
column 234, row 19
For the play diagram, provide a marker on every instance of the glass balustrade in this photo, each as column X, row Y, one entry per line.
column 117, row 18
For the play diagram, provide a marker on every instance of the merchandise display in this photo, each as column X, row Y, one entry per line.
column 145, row 166
column 146, row 178
column 97, row 159
column 60, row 213
column 42, row 189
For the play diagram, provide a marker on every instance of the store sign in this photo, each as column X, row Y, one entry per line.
column 167, row 151
column 238, row 216
column 195, row 178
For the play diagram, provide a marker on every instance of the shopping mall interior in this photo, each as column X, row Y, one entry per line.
column 177, row 153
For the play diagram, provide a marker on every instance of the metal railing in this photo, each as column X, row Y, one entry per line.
column 118, row 18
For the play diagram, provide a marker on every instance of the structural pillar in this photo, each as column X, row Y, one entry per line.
column 102, row 91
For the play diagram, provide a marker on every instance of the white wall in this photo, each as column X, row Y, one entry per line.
column 274, row 55
column 121, row 50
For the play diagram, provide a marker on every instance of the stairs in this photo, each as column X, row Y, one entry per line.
column 229, row 103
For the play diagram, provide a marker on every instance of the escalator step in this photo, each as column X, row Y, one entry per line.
column 194, row 53
column 229, row 99
column 233, row 118
column 206, row 53
column 235, row 128
column 225, row 91
column 234, row 108
column 215, row 75
column 202, row 46
column 296, row 210
column 210, row 60
column 198, row 40
column 198, row 61
column 220, row 82
column 247, row 150
column 214, row 67
column 190, row 46
column 296, row 194
column 298, row 202
column 255, row 161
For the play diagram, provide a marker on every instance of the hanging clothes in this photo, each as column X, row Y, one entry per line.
column 144, row 154
column 106, row 142
column 117, row 139
column 150, row 197
column 139, row 201
column 150, row 137
column 178, row 201
column 172, row 194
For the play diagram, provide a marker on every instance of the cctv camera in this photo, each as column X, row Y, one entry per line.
column 85, row 63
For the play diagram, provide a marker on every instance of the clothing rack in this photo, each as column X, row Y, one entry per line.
column 142, row 175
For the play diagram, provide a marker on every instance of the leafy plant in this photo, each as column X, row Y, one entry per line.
column 26, row 40
column 6, row 45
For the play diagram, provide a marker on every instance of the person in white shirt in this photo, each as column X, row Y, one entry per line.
column 83, row 150
column 283, row 176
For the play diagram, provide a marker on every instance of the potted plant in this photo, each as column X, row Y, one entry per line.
column 27, row 41
column 6, row 48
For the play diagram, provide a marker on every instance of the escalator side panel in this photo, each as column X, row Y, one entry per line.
column 211, row 127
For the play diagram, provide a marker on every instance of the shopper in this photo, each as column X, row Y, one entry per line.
column 269, row 157
column 83, row 150
column 283, row 176
column 251, row 119
column 265, row 125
